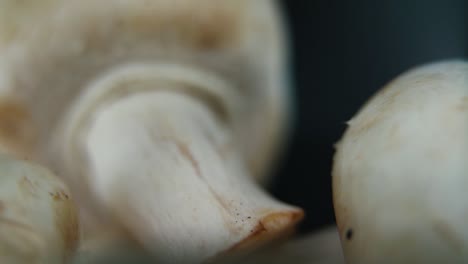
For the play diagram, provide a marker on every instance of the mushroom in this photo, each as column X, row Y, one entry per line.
column 164, row 117
column 38, row 220
column 400, row 171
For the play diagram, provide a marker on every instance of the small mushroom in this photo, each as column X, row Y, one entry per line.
column 38, row 220
column 400, row 171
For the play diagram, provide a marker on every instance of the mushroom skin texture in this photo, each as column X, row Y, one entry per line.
column 164, row 117
column 400, row 171
column 38, row 219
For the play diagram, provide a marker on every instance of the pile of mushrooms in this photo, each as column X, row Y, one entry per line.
column 150, row 128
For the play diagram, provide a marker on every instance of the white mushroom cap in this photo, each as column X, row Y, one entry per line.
column 38, row 221
column 400, row 173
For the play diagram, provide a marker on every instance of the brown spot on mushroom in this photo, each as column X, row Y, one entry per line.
column 27, row 186
column 269, row 228
column 16, row 127
column 349, row 234
column 185, row 151
column 448, row 234
column 60, row 195
column 66, row 220
column 225, row 205
column 211, row 26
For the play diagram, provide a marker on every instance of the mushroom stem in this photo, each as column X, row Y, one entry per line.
column 165, row 165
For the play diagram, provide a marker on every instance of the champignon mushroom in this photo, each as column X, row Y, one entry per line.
column 163, row 116
column 400, row 171
column 38, row 220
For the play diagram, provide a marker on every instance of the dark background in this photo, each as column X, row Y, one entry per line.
column 343, row 52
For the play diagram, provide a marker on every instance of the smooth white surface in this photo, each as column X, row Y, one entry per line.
column 400, row 172
column 156, row 163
